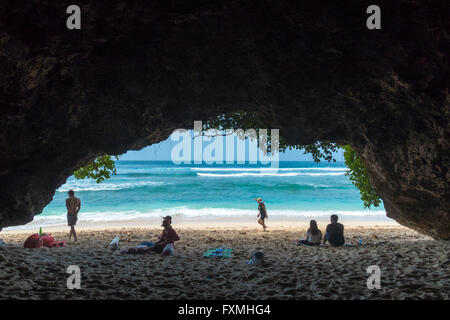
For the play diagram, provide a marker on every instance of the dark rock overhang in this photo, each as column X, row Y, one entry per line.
column 134, row 73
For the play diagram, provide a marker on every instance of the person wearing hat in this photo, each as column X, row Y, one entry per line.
column 165, row 245
column 262, row 213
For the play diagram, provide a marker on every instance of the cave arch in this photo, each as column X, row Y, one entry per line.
column 133, row 74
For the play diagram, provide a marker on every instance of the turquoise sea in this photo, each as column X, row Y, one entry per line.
column 144, row 189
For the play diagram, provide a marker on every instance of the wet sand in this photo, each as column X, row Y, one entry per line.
column 412, row 266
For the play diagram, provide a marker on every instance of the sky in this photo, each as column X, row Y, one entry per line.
column 163, row 150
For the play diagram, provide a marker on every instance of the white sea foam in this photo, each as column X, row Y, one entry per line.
column 269, row 169
column 246, row 174
column 109, row 186
column 206, row 213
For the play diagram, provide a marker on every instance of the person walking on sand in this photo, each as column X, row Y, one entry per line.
column 334, row 233
column 73, row 205
column 262, row 213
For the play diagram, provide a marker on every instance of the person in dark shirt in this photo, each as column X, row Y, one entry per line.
column 169, row 236
column 335, row 232
column 262, row 215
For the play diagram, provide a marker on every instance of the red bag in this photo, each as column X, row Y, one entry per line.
column 60, row 243
column 48, row 241
column 33, row 241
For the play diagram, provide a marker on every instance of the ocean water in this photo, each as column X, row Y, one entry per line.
column 145, row 189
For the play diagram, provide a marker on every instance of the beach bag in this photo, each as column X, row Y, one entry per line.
column 258, row 258
column 48, row 241
column 60, row 243
column 33, row 241
column 114, row 243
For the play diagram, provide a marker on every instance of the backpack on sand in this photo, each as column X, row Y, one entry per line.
column 33, row 242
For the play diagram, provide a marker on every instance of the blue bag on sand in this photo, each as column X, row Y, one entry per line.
column 1, row 242
column 258, row 258
column 147, row 243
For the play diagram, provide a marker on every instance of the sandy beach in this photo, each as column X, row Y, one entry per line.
column 412, row 266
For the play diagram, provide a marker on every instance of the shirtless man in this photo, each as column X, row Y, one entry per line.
column 73, row 205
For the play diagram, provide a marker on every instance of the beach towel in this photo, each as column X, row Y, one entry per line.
column 33, row 242
column 218, row 253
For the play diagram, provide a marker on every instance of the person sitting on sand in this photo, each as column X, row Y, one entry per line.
column 313, row 235
column 165, row 243
column 335, row 232
column 262, row 213
column 169, row 236
column 73, row 205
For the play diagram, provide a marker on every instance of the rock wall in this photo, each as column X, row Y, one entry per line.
column 138, row 70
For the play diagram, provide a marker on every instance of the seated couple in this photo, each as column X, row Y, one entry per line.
column 164, row 245
column 334, row 233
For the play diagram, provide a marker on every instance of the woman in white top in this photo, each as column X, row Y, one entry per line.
column 313, row 235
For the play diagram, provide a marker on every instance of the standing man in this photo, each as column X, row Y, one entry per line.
column 73, row 205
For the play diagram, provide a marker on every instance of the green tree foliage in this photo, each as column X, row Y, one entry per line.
column 321, row 151
column 359, row 176
column 100, row 169
column 239, row 120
